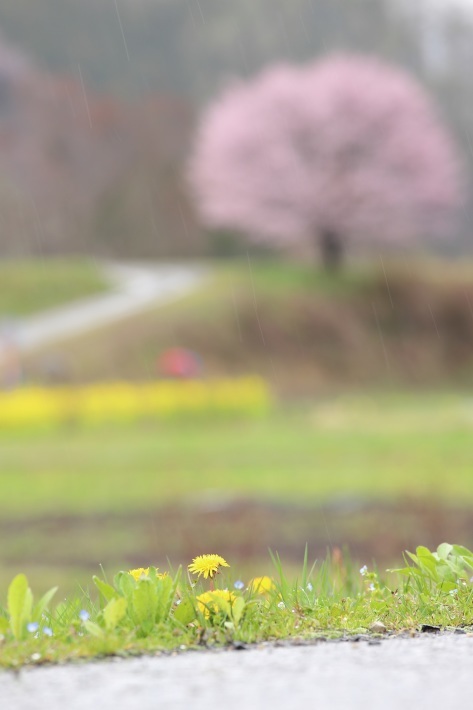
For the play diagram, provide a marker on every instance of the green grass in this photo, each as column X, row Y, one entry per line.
column 31, row 286
column 132, row 615
column 386, row 447
column 275, row 277
column 74, row 498
column 281, row 276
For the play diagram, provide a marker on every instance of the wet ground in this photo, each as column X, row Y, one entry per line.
column 391, row 674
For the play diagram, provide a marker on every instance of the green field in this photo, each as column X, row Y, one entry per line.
column 121, row 496
column 30, row 286
column 386, row 446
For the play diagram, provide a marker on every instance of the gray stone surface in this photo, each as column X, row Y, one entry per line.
column 434, row 672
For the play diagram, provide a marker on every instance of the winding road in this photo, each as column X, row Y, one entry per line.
column 134, row 288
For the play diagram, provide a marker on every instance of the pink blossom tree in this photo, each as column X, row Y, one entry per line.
column 342, row 150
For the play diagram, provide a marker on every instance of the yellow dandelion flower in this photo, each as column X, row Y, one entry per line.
column 207, row 603
column 208, row 565
column 144, row 572
column 262, row 585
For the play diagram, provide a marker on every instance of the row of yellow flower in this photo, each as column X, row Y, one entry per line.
column 123, row 401
column 209, row 566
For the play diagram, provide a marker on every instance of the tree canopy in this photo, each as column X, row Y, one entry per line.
column 346, row 148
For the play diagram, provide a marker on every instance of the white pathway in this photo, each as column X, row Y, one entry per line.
column 399, row 674
column 135, row 287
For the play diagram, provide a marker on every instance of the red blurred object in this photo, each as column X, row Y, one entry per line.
column 179, row 363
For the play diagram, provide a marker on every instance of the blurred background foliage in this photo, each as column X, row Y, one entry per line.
column 124, row 82
column 189, row 47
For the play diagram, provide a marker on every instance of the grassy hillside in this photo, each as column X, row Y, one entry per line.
column 32, row 286
column 305, row 330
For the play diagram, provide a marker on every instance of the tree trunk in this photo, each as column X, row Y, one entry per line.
column 332, row 250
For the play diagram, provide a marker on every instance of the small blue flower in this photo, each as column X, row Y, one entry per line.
column 239, row 584
column 84, row 615
column 32, row 627
column 363, row 570
column 309, row 587
column 372, row 587
column 47, row 631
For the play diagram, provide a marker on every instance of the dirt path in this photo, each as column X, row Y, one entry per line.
column 425, row 672
column 135, row 287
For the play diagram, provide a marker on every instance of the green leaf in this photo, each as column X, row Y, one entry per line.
column 223, row 605
column 413, row 557
column 464, row 554
column 106, row 590
column 427, row 562
column 237, row 610
column 144, row 602
column 185, row 612
column 463, row 551
column 28, row 606
column 153, row 573
column 4, row 625
column 19, row 603
column 449, row 586
column 114, row 612
column 444, row 550
column 447, row 572
column 165, row 589
column 94, row 629
column 126, row 584
column 408, row 571
column 43, row 604
column 424, row 553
